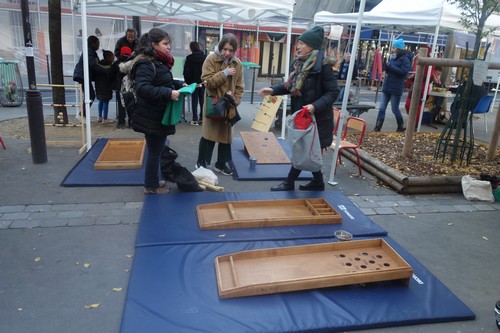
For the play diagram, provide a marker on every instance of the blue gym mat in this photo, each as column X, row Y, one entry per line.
column 241, row 165
column 83, row 173
column 172, row 219
column 173, row 289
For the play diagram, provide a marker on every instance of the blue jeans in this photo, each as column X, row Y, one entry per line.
column 384, row 101
column 103, row 107
column 155, row 146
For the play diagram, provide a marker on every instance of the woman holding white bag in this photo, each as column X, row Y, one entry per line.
column 312, row 84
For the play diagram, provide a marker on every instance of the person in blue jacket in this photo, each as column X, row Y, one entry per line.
column 397, row 70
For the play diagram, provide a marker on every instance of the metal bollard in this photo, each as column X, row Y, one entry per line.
column 36, row 126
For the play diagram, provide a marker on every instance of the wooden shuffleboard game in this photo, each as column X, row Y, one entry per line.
column 277, row 270
column 265, row 147
column 266, row 213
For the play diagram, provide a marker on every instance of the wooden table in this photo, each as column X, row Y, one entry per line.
column 444, row 94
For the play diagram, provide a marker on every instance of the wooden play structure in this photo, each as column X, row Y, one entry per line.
column 78, row 142
column 277, row 270
column 263, row 213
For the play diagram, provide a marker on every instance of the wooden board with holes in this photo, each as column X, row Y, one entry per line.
column 276, row 270
column 265, row 147
column 267, row 110
column 266, row 213
column 121, row 154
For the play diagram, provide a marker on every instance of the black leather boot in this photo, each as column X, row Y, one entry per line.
column 401, row 126
column 317, row 184
column 287, row 185
column 378, row 125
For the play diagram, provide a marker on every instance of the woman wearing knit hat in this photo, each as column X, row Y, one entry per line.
column 312, row 84
column 397, row 69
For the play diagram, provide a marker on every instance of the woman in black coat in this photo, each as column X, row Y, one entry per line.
column 155, row 87
column 192, row 74
column 311, row 84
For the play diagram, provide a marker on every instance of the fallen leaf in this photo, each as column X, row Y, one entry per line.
column 86, row 265
column 92, row 306
column 37, row 259
column 485, row 238
column 117, row 289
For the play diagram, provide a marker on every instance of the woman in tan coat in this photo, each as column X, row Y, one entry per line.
column 222, row 72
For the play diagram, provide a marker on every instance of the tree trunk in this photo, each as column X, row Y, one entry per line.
column 56, row 62
column 415, row 99
column 449, row 51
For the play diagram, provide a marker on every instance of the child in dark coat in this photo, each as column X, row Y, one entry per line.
column 104, row 86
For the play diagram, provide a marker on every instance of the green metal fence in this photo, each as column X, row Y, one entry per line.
column 11, row 89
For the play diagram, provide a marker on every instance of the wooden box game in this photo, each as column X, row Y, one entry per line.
column 264, row 147
column 121, row 154
column 265, row 213
column 277, row 270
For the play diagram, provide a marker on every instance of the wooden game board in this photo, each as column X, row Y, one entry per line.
column 277, row 270
column 267, row 111
column 265, row 147
column 265, row 213
column 121, row 154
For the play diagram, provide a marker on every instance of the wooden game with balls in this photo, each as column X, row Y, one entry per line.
column 277, row 270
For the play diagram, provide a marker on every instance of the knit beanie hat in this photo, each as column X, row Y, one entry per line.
column 125, row 51
column 313, row 37
column 399, row 44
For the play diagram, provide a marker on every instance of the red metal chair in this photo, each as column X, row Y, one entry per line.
column 353, row 125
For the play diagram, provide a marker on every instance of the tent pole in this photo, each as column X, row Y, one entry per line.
column 85, row 55
column 75, row 54
column 287, row 65
column 346, row 91
column 428, row 78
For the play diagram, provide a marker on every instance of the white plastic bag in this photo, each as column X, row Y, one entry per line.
column 477, row 190
column 205, row 175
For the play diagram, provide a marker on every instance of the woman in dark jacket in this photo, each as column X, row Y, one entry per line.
column 93, row 44
column 397, row 70
column 155, row 87
column 192, row 74
column 311, row 84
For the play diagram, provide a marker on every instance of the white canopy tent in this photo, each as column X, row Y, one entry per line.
column 408, row 15
column 222, row 11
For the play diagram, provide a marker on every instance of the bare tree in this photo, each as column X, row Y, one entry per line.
column 56, row 61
